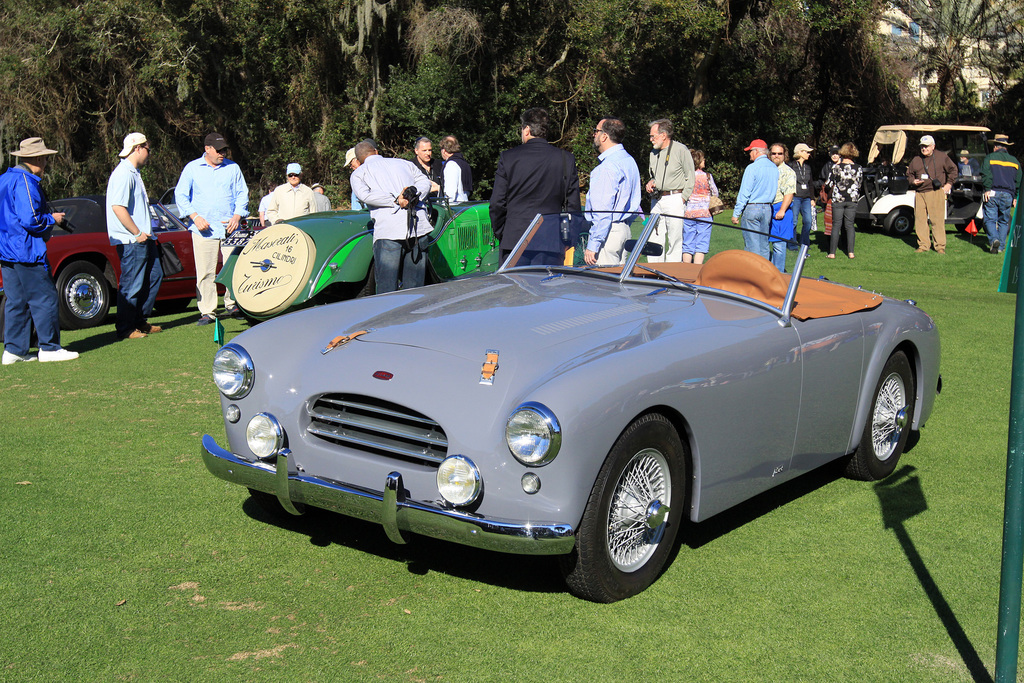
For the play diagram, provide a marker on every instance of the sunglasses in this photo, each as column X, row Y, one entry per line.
column 294, row 175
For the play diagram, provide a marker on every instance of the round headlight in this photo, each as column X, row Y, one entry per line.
column 533, row 434
column 264, row 435
column 458, row 480
column 233, row 371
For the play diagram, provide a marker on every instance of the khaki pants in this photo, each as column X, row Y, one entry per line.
column 205, row 251
column 930, row 207
column 612, row 252
column 670, row 230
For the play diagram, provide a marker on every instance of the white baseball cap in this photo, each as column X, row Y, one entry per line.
column 130, row 142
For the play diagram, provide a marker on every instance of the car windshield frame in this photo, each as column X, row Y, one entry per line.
column 542, row 231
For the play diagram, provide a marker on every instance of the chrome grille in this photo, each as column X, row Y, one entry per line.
column 379, row 427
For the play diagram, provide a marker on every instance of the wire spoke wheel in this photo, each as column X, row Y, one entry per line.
column 890, row 416
column 646, row 479
column 633, row 516
column 888, row 425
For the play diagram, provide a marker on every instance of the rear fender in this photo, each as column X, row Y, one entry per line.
column 350, row 262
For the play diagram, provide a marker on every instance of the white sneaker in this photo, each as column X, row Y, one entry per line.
column 12, row 358
column 59, row 354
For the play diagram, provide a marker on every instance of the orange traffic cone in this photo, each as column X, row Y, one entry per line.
column 971, row 229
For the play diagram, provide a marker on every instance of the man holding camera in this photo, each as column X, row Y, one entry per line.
column 931, row 175
column 25, row 226
column 392, row 189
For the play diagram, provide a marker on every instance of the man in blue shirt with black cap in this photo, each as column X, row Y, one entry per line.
column 212, row 192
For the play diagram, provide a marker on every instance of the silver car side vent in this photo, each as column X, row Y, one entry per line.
column 378, row 427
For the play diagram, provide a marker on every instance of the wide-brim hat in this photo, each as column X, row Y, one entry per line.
column 33, row 147
column 1001, row 139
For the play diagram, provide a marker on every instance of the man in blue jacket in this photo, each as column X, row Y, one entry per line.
column 24, row 228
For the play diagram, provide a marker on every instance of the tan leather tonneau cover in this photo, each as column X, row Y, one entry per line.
column 742, row 272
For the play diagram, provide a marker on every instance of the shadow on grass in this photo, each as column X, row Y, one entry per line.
column 700, row 534
column 901, row 497
column 421, row 555
column 99, row 339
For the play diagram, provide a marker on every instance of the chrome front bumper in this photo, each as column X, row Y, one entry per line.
column 388, row 507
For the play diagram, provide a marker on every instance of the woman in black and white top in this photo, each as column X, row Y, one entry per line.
column 844, row 181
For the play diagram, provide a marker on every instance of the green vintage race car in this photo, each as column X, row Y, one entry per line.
column 328, row 256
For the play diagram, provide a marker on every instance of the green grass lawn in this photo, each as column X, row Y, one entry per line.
column 123, row 559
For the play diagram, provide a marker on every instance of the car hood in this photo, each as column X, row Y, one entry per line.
column 522, row 314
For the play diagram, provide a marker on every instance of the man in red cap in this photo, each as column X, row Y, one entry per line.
column 754, row 201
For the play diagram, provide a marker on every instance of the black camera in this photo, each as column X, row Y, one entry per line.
column 936, row 184
column 411, row 195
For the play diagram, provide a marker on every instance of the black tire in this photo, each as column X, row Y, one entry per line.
column 271, row 505
column 369, row 287
column 83, row 298
column 649, row 450
column 899, row 221
column 888, row 426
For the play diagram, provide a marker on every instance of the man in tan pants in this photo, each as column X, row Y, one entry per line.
column 931, row 174
column 212, row 193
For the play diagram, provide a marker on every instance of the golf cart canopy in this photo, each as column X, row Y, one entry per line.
column 897, row 137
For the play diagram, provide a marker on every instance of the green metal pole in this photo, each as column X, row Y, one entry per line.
column 1008, row 637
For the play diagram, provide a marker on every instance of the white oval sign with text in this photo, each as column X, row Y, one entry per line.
column 272, row 269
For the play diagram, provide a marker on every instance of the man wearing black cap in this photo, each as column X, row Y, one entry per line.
column 1001, row 175
column 212, row 192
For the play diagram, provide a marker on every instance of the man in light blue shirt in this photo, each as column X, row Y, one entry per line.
column 754, row 201
column 130, row 230
column 212, row 192
column 614, row 187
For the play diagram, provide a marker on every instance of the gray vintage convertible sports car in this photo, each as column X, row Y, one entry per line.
column 557, row 409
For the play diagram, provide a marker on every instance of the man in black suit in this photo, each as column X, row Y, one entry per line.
column 535, row 177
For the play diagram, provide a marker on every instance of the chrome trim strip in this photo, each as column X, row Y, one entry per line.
column 380, row 426
column 427, row 518
column 387, row 446
column 327, row 398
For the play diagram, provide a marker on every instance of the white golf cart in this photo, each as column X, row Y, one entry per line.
column 888, row 200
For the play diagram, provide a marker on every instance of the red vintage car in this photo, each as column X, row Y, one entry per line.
column 86, row 269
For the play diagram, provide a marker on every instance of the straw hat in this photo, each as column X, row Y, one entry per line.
column 33, row 147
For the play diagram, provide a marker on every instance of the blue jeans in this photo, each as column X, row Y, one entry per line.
column 757, row 218
column 141, row 275
column 779, row 255
column 393, row 263
column 997, row 217
column 31, row 298
column 804, row 207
